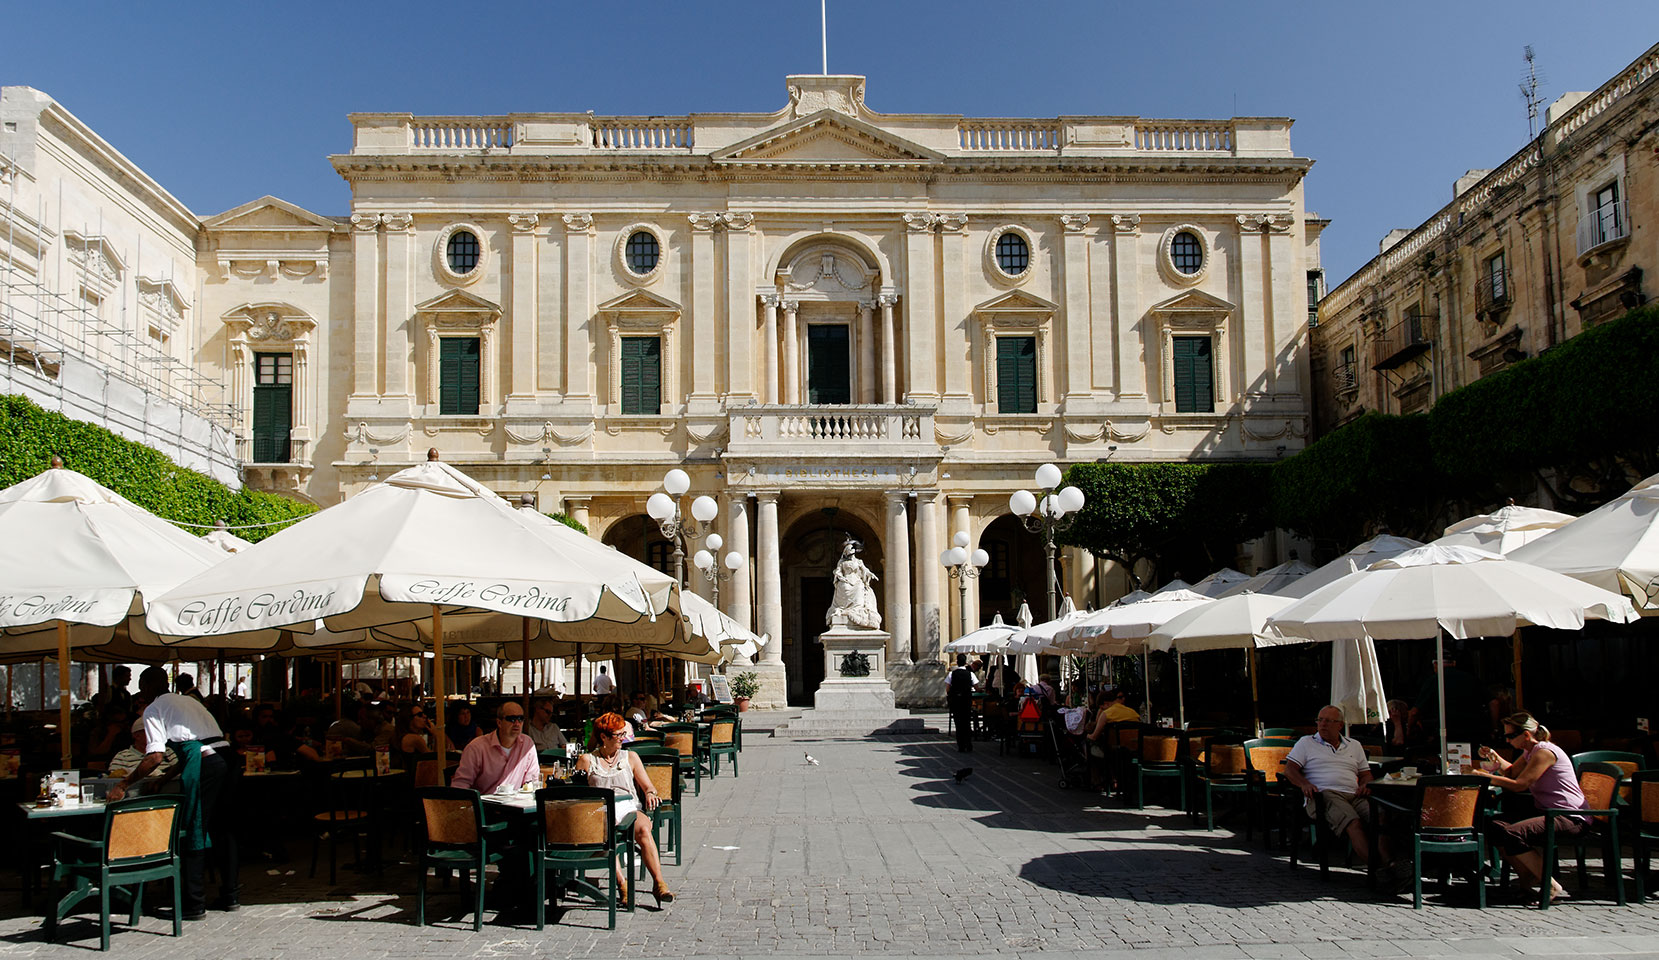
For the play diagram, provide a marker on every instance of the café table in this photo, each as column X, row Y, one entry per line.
column 77, row 818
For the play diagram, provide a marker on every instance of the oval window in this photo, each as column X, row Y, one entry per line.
column 462, row 252
column 1013, row 254
column 1186, row 253
column 642, row 252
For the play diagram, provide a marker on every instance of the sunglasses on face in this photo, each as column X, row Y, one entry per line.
column 512, row 718
column 610, row 736
column 1511, row 736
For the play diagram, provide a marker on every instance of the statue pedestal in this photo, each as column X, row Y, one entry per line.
column 855, row 700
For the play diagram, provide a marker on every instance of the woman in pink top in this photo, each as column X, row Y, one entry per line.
column 1545, row 771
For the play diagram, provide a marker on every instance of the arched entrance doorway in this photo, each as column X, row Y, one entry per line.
column 809, row 553
column 639, row 537
column 1014, row 573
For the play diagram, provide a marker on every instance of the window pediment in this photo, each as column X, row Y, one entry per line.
column 1195, row 308
column 639, row 309
column 1011, row 306
column 459, row 309
column 828, row 137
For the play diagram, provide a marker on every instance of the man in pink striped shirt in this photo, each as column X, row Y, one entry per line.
column 504, row 757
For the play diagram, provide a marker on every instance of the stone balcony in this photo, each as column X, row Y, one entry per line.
column 833, row 431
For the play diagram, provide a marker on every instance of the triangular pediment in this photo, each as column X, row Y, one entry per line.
column 827, row 137
column 1194, row 301
column 269, row 213
column 1017, row 301
column 458, row 301
column 639, row 301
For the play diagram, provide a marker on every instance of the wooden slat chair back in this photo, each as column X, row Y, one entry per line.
column 662, row 778
column 450, row 820
column 1267, row 762
column 1227, row 760
column 682, row 742
column 1450, row 808
column 1160, row 749
column 723, row 733
column 1599, row 789
column 429, row 773
column 576, row 822
column 136, row 834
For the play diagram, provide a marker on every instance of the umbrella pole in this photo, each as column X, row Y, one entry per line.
column 63, row 690
column 438, row 688
column 577, row 693
column 1146, row 665
column 8, row 691
column 1516, row 643
column 1180, row 694
column 339, row 681
column 524, row 667
column 1440, row 683
column 1255, row 699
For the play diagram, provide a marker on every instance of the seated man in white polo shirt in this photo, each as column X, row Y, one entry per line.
column 1336, row 767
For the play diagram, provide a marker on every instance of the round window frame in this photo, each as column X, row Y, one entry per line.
column 620, row 253
column 440, row 254
column 1166, row 255
column 993, row 264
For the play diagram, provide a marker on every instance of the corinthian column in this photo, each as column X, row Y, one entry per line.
column 774, row 680
column 897, row 552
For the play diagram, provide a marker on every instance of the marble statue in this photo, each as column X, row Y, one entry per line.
column 853, row 598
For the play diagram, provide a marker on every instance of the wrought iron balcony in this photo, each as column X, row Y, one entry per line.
column 1411, row 337
column 1492, row 295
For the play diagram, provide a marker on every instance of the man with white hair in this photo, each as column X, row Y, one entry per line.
column 1329, row 765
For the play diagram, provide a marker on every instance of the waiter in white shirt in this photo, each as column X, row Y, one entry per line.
column 181, row 722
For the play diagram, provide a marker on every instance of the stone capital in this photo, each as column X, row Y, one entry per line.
column 365, row 222
column 578, row 222
column 789, row 305
column 1074, row 222
column 887, row 299
column 703, row 222
column 772, row 300
column 397, row 222
column 951, row 222
column 920, row 222
column 738, row 222
column 895, row 496
column 767, row 496
column 1251, row 222
column 1128, row 224
column 523, row 222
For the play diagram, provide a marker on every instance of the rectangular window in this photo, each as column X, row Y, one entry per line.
column 1194, row 376
column 1316, row 292
column 1497, row 279
column 641, row 375
column 1346, row 372
column 828, row 363
column 273, row 406
column 1608, row 219
column 1016, row 374
column 458, row 376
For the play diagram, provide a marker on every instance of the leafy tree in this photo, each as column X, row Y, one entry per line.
column 1374, row 472
column 1183, row 519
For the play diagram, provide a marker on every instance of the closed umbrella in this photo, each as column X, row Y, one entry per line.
column 81, row 559
column 1615, row 546
column 1435, row 591
column 425, row 544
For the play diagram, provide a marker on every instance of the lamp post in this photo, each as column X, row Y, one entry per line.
column 664, row 507
column 962, row 567
column 1051, row 514
column 704, row 561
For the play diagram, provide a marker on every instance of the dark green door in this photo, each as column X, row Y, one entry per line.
column 1194, row 375
column 828, row 364
column 273, row 406
column 458, row 376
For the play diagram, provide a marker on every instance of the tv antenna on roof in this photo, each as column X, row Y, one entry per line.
column 1529, row 92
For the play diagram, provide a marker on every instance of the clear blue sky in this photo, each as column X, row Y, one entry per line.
column 225, row 102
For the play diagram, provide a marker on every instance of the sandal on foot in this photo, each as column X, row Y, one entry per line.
column 662, row 894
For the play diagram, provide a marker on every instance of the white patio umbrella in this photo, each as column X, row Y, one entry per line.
column 1503, row 530
column 426, row 543
column 1121, row 629
column 1615, row 546
column 1435, row 591
column 1231, row 623
column 1041, row 637
column 221, row 537
column 1218, row 583
column 80, row 560
column 1174, row 586
column 1273, row 580
column 991, row 638
column 1380, row 547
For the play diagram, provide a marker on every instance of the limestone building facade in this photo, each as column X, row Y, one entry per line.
column 837, row 321
column 1560, row 236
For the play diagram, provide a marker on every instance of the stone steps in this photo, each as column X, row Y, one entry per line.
column 854, row 725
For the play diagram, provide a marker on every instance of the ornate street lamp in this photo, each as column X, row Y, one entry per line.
column 664, row 507
column 1049, row 515
column 962, row 567
column 704, row 561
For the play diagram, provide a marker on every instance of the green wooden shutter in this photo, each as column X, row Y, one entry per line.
column 1016, row 374
column 458, row 376
column 828, row 364
column 273, row 408
column 641, row 375
column 1194, row 375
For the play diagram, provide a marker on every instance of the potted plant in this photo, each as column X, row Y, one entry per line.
column 744, row 686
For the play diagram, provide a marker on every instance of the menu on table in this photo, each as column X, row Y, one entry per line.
column 1460, row 758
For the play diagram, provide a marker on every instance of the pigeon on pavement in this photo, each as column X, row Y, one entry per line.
column 964, row 774
column 811, row 759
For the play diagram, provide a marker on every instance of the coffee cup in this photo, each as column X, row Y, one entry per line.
column 1408, row 771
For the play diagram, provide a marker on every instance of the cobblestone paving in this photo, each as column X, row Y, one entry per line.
column 877, row 851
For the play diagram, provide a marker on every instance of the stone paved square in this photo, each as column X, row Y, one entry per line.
column 877, row 851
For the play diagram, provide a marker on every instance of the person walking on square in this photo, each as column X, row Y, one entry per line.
column 959, row 698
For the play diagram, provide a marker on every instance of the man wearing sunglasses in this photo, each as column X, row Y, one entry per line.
column 505, row 757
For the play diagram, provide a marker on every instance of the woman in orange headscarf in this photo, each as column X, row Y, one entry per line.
column 611, row 766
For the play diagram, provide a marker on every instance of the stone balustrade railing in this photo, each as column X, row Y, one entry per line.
column 642, row 133
column 1184, row 136
column 1026, row 135
column 460, row 133
column 866, row 427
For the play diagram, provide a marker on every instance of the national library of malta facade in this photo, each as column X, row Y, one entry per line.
column 836, row 321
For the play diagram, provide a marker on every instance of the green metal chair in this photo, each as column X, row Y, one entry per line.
column 457, row 838
column 1276, row 733
column 1269, row 791
column 1600, row 785
column 1160, row 754
column 579, row 832
column 722, row 743
column 664, row 771
column 1226, row 770
column 683, row 738
column 140, row 844
column 1447, row 819
column 1644, row 810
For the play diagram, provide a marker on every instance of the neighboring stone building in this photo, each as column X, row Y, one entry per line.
column 1554, row 240
column 98, row 287
column 836, row 321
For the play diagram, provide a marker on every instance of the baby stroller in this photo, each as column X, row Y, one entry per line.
column 1069, row 750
